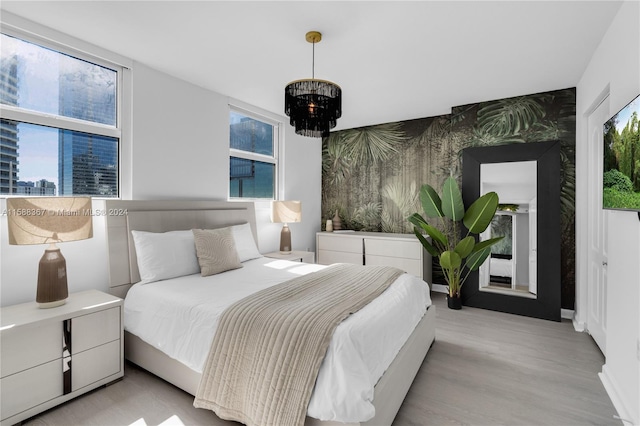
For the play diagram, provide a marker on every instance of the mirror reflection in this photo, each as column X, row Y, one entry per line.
column 511, row 268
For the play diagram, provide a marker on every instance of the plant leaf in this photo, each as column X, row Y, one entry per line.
column 450, row 260
column 486, row 243
column 426, row 244
column 416, row 219
column 465, row 246
column 431, row 203
column 476, row 259
column 480, row 213
column 452, row 204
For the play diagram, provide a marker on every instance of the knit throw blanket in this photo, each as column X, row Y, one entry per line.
column 269, row 346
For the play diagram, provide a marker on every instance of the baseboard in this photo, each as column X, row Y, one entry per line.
column 578, row 325
column 440, row 288
column 566, row 313
column 627, row 417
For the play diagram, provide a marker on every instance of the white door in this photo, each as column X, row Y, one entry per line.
column 596, row 239
column 533, row 245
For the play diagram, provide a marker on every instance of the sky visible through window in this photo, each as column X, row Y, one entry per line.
column 39, row 79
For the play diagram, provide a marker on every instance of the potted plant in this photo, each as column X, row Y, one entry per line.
column 458, row 255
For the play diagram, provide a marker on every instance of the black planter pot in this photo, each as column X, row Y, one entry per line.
column 454, row 302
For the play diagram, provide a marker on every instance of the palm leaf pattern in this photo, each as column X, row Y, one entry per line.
column 404, row 201
column 336, row 164
column 367, row 145
column 568, row 182
column 368, row 216
column 510, row 116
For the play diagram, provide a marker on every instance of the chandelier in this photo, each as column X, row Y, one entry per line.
column 313, row 105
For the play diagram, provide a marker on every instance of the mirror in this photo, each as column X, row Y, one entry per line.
column 510, row 269
column 522, row 276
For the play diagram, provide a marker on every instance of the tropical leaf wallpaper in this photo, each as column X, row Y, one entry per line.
column 372, row 175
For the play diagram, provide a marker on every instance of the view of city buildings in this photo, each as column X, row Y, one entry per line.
column 87, row 164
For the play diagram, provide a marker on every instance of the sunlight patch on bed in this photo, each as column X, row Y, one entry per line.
column 294, row 267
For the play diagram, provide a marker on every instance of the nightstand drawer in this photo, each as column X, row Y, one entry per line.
column 95, row 364
column 29, row 388
column 89, row 331
column 26, row 346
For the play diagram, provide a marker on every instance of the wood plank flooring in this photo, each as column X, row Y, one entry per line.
column 485, row 368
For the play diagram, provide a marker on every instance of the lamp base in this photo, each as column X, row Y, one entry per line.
column 52, row 279
column 285, row 240
column 48, row 305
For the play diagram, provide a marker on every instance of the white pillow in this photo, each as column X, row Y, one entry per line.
column 164, row 255
column 245, row 244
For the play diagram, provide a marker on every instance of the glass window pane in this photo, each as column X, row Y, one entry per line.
column 38, row 160
column 251, row 179
column 249, row 134
column 43, row 80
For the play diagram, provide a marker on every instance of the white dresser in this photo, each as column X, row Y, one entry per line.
column 52, row 355
column 403, row 251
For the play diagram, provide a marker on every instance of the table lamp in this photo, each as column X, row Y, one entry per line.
column 286, row 212
column 50, row 220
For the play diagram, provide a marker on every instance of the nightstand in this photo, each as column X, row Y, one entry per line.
column 295, row 256
column 50, row 356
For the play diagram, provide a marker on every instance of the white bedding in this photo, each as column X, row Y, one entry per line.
column 501, row 267
column 179, row 317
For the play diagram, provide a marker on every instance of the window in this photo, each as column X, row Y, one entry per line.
column 253, row 156
column 59, row 131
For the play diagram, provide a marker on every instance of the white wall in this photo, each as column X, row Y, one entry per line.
column 614, row 68
column 179, row 150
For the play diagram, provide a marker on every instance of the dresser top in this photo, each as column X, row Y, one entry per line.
column 361, row 234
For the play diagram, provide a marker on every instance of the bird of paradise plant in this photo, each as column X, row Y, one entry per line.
column 458, row 255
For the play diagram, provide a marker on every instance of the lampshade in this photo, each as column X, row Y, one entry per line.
column 286, row 211
column 313, row 105
column 46, row 220
column 50, row 220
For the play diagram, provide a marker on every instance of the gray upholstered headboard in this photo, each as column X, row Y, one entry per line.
column 123, row 216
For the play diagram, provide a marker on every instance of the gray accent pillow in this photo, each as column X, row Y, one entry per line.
column 216, row 251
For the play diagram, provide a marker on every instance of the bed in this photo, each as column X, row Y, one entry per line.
column 161, row 216
column 501, row 267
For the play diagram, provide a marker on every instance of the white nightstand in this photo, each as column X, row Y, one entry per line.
column 52, row 355
column 295, row 256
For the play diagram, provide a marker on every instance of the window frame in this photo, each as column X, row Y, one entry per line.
column 276, row 159
column 14, row 26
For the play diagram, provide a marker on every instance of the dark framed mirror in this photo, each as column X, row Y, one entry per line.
column 522, row 276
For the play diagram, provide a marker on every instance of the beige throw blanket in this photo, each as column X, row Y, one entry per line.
column 269, row 346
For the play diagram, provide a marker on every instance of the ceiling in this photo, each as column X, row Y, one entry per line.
column 394, row 60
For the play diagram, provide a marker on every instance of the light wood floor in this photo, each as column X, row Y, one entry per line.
column 485, row 368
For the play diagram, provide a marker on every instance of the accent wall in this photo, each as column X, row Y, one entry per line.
column 372, row 175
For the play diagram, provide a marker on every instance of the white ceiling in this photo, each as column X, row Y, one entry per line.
column 394, row 60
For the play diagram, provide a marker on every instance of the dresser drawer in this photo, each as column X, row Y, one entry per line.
column 95, row 364
column 327, row 257
column 29, row 388
column 26, row 346
column 412, row 266
column 345, row 244
column 393, row 248
column 89, row 331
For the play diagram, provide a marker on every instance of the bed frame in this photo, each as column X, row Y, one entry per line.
column 161, row 216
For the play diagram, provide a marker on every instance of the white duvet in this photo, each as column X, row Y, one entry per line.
column 180, row 316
